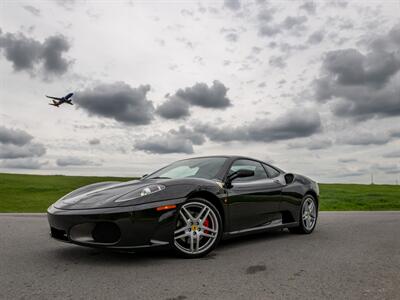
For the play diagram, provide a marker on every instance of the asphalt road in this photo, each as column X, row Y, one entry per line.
column 351, row 255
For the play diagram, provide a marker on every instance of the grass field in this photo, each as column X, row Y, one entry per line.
column 34, row 193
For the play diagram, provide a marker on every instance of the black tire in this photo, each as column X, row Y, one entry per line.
column 302, row 228
column 214, row 217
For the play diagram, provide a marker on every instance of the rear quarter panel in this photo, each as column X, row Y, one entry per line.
column 293, row 193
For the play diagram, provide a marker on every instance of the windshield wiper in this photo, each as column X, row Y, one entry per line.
column 159, row 177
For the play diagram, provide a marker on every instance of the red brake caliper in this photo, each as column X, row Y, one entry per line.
column 206, row 224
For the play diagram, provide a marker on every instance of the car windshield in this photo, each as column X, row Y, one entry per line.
column 206, row 167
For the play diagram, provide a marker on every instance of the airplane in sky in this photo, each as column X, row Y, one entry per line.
column 58, row 101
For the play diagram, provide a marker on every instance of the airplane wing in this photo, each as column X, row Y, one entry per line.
column 55, row 98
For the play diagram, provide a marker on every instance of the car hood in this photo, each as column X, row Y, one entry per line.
column 104, row 195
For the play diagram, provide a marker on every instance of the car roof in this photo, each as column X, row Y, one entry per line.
column 225, row 156
column 234, row 157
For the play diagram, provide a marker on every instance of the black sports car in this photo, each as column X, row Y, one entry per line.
column 188, row 205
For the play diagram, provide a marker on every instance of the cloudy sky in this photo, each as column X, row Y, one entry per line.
column 313, row 87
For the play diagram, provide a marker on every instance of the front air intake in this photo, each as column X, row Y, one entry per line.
column 106, row 233
column 96, row 233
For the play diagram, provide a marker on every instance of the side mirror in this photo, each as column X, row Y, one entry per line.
column 289, row 178
column 238, row 174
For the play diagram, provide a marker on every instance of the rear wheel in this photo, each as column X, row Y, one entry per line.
column 198, row 229
column 308, row 216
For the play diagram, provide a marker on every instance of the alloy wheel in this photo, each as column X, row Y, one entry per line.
column 309, row 214
column 197, row 228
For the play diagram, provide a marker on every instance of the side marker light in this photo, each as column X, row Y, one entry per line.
column 166, row 207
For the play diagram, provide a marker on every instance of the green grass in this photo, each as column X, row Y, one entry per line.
column 34, row 193
column 359, row 197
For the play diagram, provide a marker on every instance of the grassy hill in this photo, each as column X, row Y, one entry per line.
column 34, row 193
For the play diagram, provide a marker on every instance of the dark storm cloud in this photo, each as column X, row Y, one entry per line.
column 118, row 101
column 173, row 108
column 17, row 149
column 232, row 4
column 177, row 106
column 309, row 7
column 74, row 161
column 363, row 85
column 175, row 141
column 22, row 163
column 291, row 125
column 350, row 67
column 33, row 10
column 202, row 95
column 14, row 136
column 94, row 141
column 23, row 52
column 9, row 151
column 52, row 51
column 26, row 53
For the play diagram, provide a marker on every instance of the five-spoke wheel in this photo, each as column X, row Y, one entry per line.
column 198, row 228
column 308, row 216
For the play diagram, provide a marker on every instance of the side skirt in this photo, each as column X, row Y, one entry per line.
column 275, row 224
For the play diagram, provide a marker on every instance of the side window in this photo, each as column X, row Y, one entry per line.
column 271, row 171
column 259, row 172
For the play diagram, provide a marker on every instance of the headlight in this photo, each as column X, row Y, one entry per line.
column 144, row 191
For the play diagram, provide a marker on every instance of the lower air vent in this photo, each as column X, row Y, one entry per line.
column 96, row 233
column 106, row 232
column 59, row 234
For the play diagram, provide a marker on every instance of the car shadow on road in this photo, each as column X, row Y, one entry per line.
column 82, row 255
column 253, row 239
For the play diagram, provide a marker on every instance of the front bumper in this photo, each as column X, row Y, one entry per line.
column 121, row 228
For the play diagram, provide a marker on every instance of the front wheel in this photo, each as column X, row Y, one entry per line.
column 198, row 229
column 308, row 216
